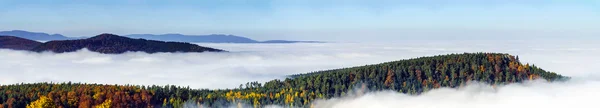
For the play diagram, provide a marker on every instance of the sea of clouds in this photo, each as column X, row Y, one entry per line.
column 264, row 62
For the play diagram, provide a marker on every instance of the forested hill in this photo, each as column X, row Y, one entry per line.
column 413, row 76
column 113, row 44
column 17, row 43
column 417, row 75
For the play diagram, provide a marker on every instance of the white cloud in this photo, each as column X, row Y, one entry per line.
column 251, row 62
column 535, row 94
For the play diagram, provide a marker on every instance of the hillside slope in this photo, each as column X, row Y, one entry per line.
column 412, row 76
column 113, row 44
column 418, row 75
column 17, row 43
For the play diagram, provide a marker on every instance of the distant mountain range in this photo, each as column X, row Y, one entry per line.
column 213, row 38
column 104, row 43
column 34, row 35
column 287, row 41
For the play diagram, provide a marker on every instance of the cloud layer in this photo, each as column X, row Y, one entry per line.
column 252, row 62
column 263, row 62
column 535, row 94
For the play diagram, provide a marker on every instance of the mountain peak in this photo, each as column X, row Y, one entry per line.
column 107, row 36
column 18, row 31
column 113, row 44
column 24, row 32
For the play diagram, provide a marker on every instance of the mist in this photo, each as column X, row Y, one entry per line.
column 533, row 94
column 264, row 62
column 256, row 62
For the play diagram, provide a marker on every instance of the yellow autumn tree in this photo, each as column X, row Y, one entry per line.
column 105, row 104
column 520, row 68
column 289, row 99
column 43, row 102
column 389, row 80
column 230, row 96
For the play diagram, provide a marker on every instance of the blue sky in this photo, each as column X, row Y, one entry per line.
column 329, row 20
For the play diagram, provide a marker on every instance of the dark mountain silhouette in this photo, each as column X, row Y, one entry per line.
column 113, row 44
column 33, row 35
column 17, row 43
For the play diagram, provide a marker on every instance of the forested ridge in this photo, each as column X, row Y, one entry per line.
column 412, row 76
column 17, row 43
column 114, row 44
column 103, row 43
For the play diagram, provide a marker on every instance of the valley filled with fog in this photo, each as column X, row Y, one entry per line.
column 264, row 62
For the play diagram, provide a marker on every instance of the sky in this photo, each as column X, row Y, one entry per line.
column 324, row 20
